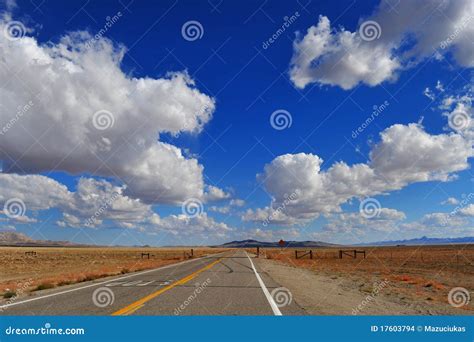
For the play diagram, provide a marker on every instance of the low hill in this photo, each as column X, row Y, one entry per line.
column 422, row 241
column 20, row 239
column 255, row 243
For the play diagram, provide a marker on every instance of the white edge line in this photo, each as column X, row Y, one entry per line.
column 274, row 306
column 104, row 282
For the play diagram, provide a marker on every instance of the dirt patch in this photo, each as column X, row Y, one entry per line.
column 52, row 267
column 356, row 287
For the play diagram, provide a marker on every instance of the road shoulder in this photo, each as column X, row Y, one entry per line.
column 320, row 294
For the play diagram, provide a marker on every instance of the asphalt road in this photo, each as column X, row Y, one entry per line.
column 229, row 283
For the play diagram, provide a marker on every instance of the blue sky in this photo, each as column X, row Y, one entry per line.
column 319, row 69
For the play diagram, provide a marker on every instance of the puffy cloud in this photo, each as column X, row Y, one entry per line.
column 356, row 227
column 222, row 210
column 105, row 122
column 441, row 224
column 467, row 211
column 459, row 111
column 99, row 199
column 406, row 154
column 226, row 209
column 429, row 93
column 440, row 220
column 215, row 194
column 8, row 227
column 450, row 201
column 237, row 202
column 69, row 221
column 96, row 202
column 439, row 86
column 268, row 216
column 340, row 57
column 202, row 226
column 24, row 219
column 270, row 235
column 93, row 200
column 350, row 228
column 383, row 220
column 37, row 192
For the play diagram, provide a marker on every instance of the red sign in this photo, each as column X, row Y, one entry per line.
column 281, row 243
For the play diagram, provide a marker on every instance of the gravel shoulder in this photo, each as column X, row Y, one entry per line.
column 321, row 294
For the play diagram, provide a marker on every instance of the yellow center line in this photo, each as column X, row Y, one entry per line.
column 139, row 303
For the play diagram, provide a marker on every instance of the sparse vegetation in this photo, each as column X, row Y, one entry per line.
column 9, row 294
column 56, row 266
column 413, row 272
column 44, row 286
column 64, row 282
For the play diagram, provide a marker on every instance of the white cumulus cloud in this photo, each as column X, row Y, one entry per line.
column 406, row 154
column 70, row 107
column 406, row 34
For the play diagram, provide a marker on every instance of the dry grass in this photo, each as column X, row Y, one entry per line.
column 426, row 273
column 53, row 267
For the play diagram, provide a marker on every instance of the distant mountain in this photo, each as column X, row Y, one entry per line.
column 255, row 243
column 422, row 241
column 314, row 244
column 20, row 239
column 13, row 237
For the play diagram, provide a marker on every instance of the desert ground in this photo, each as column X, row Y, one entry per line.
column 390, row 280
column 55, row 266
column 403, row 280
